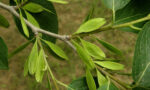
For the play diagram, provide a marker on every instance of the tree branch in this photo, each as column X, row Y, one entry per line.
column 12, row 9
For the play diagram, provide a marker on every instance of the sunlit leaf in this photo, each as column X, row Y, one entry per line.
column 93, row 50
column 91, row 25
column 56, row 49
column 110, row 65
column 59, row 1
column 101, row 79
column 84, row 55
column 90, row 80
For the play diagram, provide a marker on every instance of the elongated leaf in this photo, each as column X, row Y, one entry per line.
column 26, row 69
column 90, row 80
column 57, row 50
column 33, row 59
column 59, row 1
column 134, row 10
column 110, row 65
column 33, row 7
column 93, row 50
column 3, row 55
column 41, row 66
column 110, row 47
column 84, row 56
column 24, row 26
column 47, row 20
column 115, row 4
column 3, row 22
column 101, row 79
column 141, row 63
column 91, row 25
column 31, row 19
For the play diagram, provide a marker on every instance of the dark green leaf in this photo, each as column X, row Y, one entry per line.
column 3, row 22
column 3, row 55
column 46, row 20
column 140, row 88
column 91, row 25
column 57, row 50
column 134, row 10
column 141, row 63
column 93, row 50
column 110, row 47
column 110, row 65
column 90, row 80
column 115, row 4
column 84, row 55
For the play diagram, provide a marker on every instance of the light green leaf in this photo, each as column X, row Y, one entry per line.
column 56, row 49
column 41, row 66
column 91, row 25
column 110, row 47
column 84, row 56
column 59, row 1
column 33, row 7
column 3, row 22
column 101, row 79
column 33, row 59
column 90, row 80
column 31, row 19
column 24, row 26
column 93, row 50
column 110, row 65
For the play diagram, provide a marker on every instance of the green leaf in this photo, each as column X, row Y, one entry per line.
column 84, row 56
column 46, row 20
column 56, row 49
column 33, row 59
column 108, row 86
column 41, row 66
column 141, row 62
column 91, row 25
column 90, row 80
column 26, row 69
column 134, row 10
column 24, row 26
column 59, row 1
column 101, row 79
column 115, row 4
column 3, row 55
column 33, row 7
column 31, row 19
column 140, row 88
column 110, row 65
column 93, row 50
column 110, row 47
column 3, row 22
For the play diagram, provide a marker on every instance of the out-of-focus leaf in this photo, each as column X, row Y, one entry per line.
column 141, row 61
column 90, row 80
column 91, row 25
column 32, row 66
column 110, row 65
column 59, row 1
column 115, row 4
column 56, row 49
column 84, row 56
column 3, row 55
column 93, row 50
column 101, row 79
column 110, row 47
column 31, row 19
column 26, row 69
column 3, row 22
column 41, row 66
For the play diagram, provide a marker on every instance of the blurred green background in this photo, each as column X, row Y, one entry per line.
column 70, row 17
